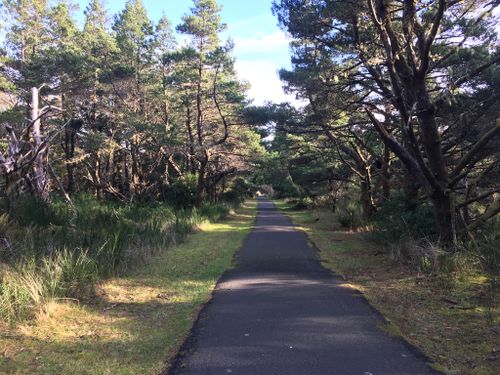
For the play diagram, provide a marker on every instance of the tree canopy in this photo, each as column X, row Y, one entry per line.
column 401, row 96
column 119, row 110
column 405, row 94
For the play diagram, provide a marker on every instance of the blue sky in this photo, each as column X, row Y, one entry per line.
column 261, row 48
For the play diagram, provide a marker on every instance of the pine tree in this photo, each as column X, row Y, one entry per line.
column 213, row 86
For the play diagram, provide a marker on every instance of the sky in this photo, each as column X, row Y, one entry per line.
column 261, row 48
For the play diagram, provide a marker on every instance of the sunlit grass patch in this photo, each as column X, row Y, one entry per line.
column 135, row 323
column 449, row 316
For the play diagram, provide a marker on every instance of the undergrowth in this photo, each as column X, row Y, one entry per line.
column 54, row 250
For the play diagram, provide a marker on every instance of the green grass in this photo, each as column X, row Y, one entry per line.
column 451, row 317
column 56, row 250
column 136, row 322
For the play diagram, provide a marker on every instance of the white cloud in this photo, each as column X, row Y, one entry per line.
column 264, row 80
column 496, row 14
column 270, row 43
column 259, row 57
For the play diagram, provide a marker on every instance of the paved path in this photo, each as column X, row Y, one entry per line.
column 281, row 313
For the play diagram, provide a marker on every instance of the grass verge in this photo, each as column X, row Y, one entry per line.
column 135, row 323
column 447, row 316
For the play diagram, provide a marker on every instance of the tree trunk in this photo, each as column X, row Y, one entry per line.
column 442, row 197
column 367, row 199
column 40, row 181
column 69, row 150
column 445, row 216
column 200, row 190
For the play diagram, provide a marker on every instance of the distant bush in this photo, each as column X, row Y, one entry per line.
column 349, row 213
column 239, row 190
column 286, row 188
column 301, row 203
column 182, row 193
column 267, row 190
column 399, row 218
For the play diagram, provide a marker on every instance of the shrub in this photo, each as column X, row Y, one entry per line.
column 182, row 193
column 399, row 218
column 486, row 248
column 422, row 254
column 213, row 211
column 349, row 214
column 20, row 291
column 99, row 239
column 29, row 210
column 240, row 189
column 303, row 203
column 233, row 197
column 29, row 285
column 70, row 274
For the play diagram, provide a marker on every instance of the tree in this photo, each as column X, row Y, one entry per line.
column 213, row 86
column 122, row 112
column 397, row 60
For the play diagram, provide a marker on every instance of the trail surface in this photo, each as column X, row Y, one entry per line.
column 279, row 312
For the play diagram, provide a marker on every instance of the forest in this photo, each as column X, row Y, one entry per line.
column 117, row 139
column 112, row 131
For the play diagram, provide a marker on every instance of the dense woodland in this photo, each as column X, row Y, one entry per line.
column 402, row 104
column 399, row 132
column 117, row 109
column 116, row 140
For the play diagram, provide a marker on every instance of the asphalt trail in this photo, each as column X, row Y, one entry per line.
column 279, row 312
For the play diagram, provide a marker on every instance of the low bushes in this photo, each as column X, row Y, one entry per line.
column 398, row 218
column 58, row 251
column 182, row 193
column 349, row 214
column 30, row 283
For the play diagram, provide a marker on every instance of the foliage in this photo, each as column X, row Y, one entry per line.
column 133, row 112
column 239, row 190
column 349, row 214
column 55, row 250
column 182, row 193
column 400, row 218
column 382, row 80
